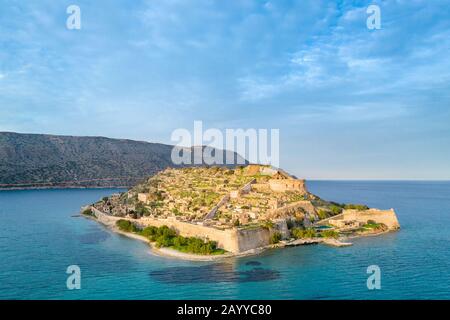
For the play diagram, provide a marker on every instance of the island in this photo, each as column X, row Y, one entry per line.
column 207, row 213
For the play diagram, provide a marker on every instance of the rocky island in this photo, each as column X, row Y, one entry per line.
column 205, row 213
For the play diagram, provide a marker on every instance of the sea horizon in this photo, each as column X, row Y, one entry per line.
column 115, row 267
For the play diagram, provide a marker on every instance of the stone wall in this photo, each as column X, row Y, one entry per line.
column 104, row 218
column 283, row 185
column 233, row 240
column 248, row 239
column 211, row 214
column 226, row 239
column 387, row 217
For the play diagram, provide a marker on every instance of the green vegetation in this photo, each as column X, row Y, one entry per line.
column 126, row 226
column 295, row 197
column 329, row 234
column 267, row 224
column 141, row 210
column 299, row 233
column 88, row 212
column 275, row 237
column 335, row 209
column 251, row 226
column 374, row 225
column 322, row 214
column 359, row 207
column 167, row 237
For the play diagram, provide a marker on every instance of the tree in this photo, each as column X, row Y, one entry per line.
column 275, row 237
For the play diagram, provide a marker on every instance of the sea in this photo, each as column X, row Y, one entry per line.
column 43, row 240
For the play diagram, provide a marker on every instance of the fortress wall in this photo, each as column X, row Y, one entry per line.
column 213, row 211
column 225, row 239
column 283, row 185
column 281, row 227
column 104, row 218
column 386, row 217
column 248, row 239
column 232, row 240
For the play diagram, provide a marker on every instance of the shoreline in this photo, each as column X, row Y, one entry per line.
column 172, row 253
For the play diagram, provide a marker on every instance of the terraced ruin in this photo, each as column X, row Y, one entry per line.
column 241, row 209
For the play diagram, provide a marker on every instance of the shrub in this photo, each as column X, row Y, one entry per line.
column 374, row 225
column 168, row 237
column 322, row 214
column 179, row 242
column 88, row 212
column 275, row 237
column 267, row 224
column 299, row 233
column 329, row 234
column 335, row 209
column 359, row 207
column 149, row 232
column 164, row 241
column 127, row 226
column 166, row 231
column 141, row 210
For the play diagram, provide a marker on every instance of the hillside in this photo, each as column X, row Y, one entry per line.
column 40, row 160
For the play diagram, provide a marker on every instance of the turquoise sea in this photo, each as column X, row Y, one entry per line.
column 40, row 238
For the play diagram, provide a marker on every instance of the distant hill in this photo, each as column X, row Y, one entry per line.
column 40, row 160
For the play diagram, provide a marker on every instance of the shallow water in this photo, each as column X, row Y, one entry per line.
column 40, row 238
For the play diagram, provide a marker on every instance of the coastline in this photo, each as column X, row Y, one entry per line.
column 171, row 253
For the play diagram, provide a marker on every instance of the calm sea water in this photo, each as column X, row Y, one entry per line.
column 40, row 238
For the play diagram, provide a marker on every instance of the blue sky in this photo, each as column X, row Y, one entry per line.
column 350, row 103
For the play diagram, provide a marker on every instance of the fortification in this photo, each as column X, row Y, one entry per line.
column 241, row 209
column 386, row 217
column 233, row 240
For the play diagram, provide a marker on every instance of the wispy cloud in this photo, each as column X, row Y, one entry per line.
column 143, row 68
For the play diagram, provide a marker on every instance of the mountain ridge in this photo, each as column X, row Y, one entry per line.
column 30, row 160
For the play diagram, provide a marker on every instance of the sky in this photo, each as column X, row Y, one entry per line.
column 350, row 102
